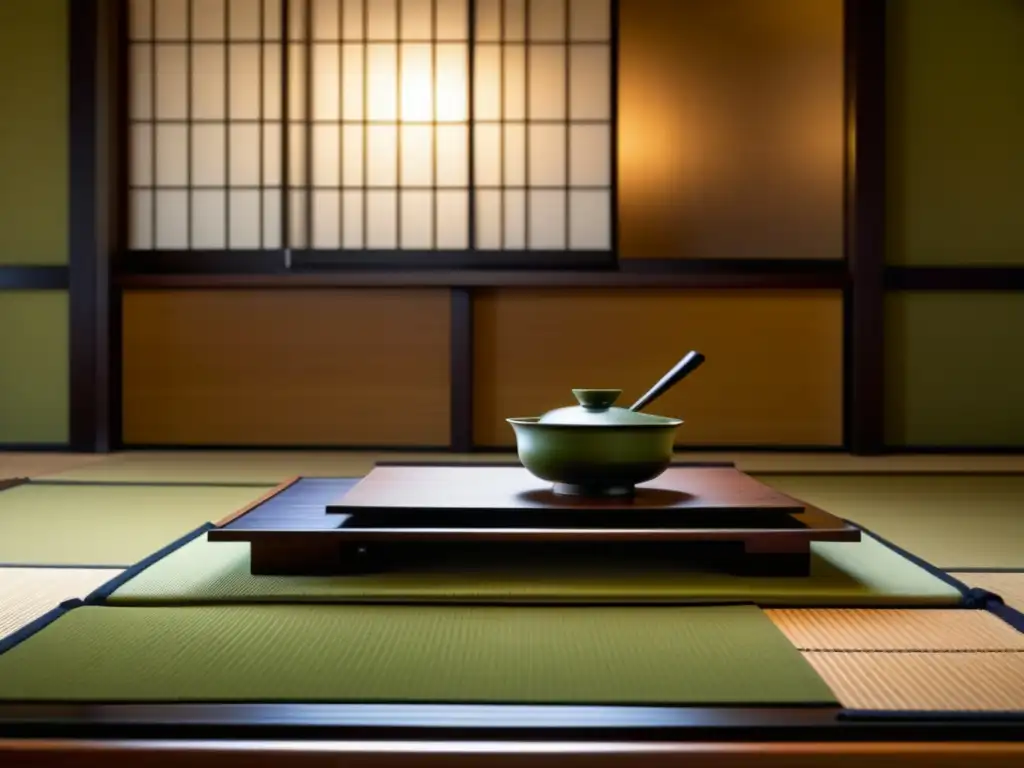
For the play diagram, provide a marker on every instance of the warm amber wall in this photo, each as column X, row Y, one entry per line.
column 286, row 367
column 773, row 376
column 731, row 129
column 371, row 367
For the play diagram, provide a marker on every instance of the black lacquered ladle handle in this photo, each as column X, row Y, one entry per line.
column 683, row 368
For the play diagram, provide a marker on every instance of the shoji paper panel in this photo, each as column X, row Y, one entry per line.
column 205, row 137
column 379, row 97
column 543, row 135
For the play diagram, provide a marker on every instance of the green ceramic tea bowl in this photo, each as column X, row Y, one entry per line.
column 597, row 449
column 594, row 460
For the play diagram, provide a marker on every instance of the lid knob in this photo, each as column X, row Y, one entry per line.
column 597, row 399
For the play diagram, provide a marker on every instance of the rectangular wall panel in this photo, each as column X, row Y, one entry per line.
column 33, row 132
column 33, row 367
column 731, row 129
column 956, row 117
column 955, row 369
column 287, row 367
column 773, row 376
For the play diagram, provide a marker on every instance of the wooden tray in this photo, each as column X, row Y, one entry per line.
column 296, row 537
column 487, row 491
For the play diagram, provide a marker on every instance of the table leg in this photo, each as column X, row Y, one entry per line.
column 780, row 557
column 308, row 557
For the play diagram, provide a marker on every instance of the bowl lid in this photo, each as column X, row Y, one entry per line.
column 596, row 408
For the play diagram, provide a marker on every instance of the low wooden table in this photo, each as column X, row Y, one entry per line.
column 721, row 513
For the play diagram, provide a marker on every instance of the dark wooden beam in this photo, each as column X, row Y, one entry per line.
column 461, row 385
column 212, row 734
column 84, row 151
column 116, row 18
column 95, row 137
column 220, row 270
column 1008, row 278
column 33, row 278
column 865, row 64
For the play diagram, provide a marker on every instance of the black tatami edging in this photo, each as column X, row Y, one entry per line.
column 99, row 595
column 19, row 636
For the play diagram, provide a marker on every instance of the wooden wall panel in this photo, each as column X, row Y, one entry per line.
column 774, row 375
column 287, row 367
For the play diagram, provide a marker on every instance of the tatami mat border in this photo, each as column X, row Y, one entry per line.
column 24, row 633
column 879, row 715
column 1011, row 616
column 263, row 499
column 973, row 596
column 99, row 595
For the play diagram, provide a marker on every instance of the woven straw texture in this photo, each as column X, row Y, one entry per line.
column 697, row 655
column 961, row 682
column 28, row 593
column 896, row 630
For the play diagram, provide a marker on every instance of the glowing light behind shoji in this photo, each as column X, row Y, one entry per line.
column 543, row 112
column 405, row 132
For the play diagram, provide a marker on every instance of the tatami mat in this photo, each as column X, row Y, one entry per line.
column 866, row 573
column 25, row 464
column 950, row 521
column 1009, row 586
column 931, row 630
column 105, row 525
column 269, row 467
column 700, row 656
column 275, row 466
column 992, row 682
column 28, row 593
